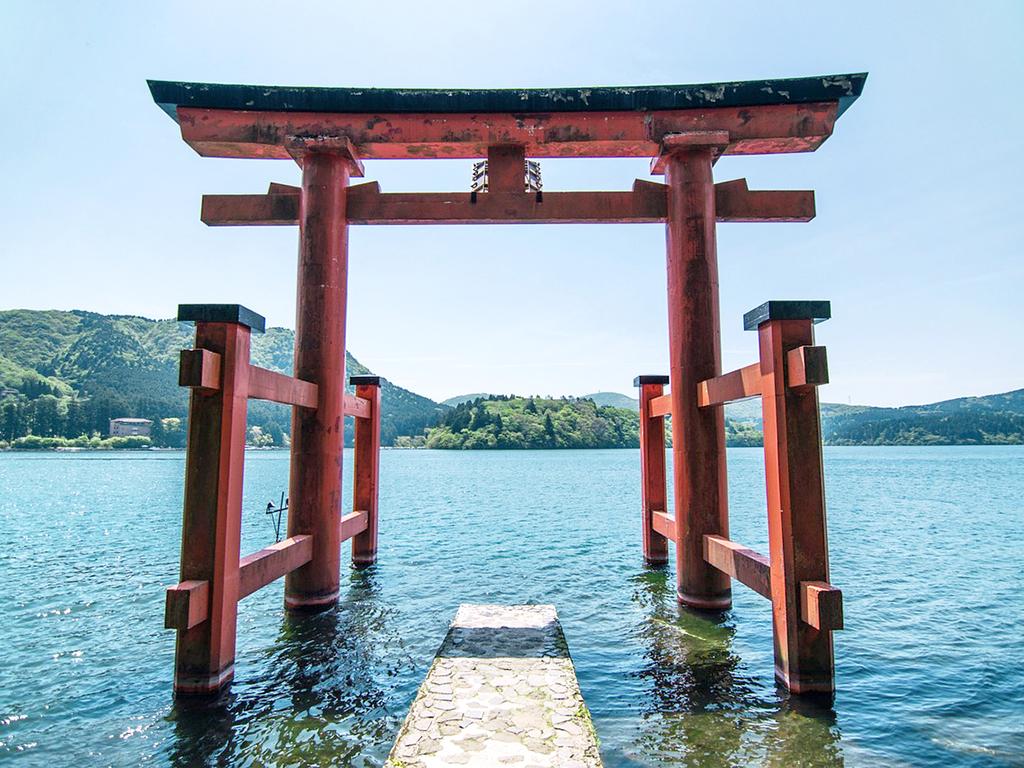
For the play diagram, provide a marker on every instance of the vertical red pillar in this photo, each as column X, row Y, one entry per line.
column 366, row 471
column 698, row 434
column 317, row 435
column 211, row 529
column 653, row 495
column 797, row 537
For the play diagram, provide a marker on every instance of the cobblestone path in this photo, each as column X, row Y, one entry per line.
column 501, row 691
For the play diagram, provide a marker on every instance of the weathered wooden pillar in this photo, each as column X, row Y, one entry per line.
column 698, row 434
column 217, row 370
column 653, row 495
column 791, row 367
column 366, row 472
column 317, row 435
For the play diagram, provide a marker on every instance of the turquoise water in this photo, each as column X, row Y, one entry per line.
column 926, row 544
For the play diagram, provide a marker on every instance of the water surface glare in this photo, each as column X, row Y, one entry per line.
column 926, row 544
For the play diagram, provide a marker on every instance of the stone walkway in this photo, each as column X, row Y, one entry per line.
column 502, row 691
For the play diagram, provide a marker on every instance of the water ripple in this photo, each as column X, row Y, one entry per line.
column 928, row 669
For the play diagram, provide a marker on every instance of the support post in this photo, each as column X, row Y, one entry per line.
column 653, row 496
column 366, row 470
column 317, row 435
column 506, row 168
column 211, row 526
column 797, row 537
column 698, row 434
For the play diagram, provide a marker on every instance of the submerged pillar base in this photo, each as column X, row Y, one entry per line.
column 807, row 685
column 310, row 603
column 717, row 603
column 186, row 684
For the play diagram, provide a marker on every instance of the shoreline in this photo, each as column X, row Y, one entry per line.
column 278, row 449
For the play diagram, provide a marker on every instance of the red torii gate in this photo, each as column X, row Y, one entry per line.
column 328, row 131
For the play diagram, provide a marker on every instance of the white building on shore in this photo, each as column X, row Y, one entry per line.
column 130, row 427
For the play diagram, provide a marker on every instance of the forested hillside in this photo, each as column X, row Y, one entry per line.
column 990, row 420
column 65, row 374
column 501, row 421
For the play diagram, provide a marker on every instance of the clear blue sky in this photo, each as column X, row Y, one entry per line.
column 917, row 241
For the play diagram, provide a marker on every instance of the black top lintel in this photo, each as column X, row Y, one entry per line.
column 373, row 381
column 844, row 89
column 222, row 313
column 649, row 379
column 817, row 311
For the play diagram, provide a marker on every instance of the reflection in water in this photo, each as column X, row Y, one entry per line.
column 702, row 707
column 325, row 697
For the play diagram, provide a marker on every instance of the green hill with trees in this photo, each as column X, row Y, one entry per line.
column 504, row 421
column 501, row 421
column 989, row 420
column 64, row 375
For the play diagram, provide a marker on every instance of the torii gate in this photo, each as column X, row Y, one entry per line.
column 328, row 131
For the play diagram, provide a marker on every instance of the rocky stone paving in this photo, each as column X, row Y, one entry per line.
column 501, row 691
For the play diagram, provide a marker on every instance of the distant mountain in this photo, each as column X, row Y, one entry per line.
column 745, row 411
column 749, row 411
column 614, row 400
column 989, row 420
column 460, row 399
column 742, row 411
column 67, row 373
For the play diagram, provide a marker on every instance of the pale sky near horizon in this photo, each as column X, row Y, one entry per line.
column 916, row 242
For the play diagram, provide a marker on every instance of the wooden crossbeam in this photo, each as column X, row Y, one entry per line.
column 821, row 605
column 353, row 523
column 188, row 603
column 664, row 524
column 745, row 565
column 278, row 388
column 276, row 188
column 645, row 204
column 735, row 385
column 199, row 369
column 506, row 207
column 764, row 129
column 806, row 367
column 661, row 405
column 734, row 202
column 357, row 407
column 367, row 205
column 267, row 565
column 275, row 209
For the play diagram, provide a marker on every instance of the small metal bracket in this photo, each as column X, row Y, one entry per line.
column 275, row 515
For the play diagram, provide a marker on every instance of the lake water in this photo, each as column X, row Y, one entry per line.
column 926, row 544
